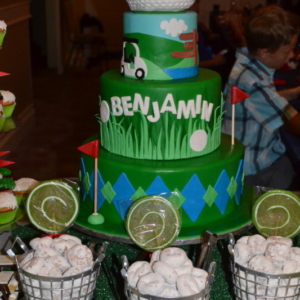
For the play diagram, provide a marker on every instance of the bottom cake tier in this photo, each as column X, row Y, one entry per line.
column 208, row 190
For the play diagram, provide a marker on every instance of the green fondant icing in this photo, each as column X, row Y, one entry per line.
column 138, row 193
column 86, row 182
column 177, row 198
column 175, row 175
column 168, row 136
column 232, row 187
column 210, row 196
column 108, row 192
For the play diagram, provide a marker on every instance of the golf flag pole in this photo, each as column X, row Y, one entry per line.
column 92, row 149
column 237, row 95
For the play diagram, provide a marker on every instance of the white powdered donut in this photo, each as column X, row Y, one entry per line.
column 200, row 276
column 151, row 284
column 291, row 266
column 155, row 256
column 43, row 242
column 68, row 237
column 44, row 271
column 26, row 259
column 257, row 244
column 261, row 263
column 187, row 285
column 165, row 270
column 45, row 252
column 186, row 268
column 279, row 239
column 243, row 239
column 169, row 292
column 278, row 253
column 242, row 253
column 61, row 245
column 72, row 271
column 69, row 285
column 57, row 261
column 173, row 256
column 295, row 254
column 80, row 256
column 34, row 265
column 136, row 270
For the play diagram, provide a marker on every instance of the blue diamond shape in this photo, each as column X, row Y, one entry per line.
column 238, row 179
column 122, row 199
column 100, row 184
column 221, row 188
column 193, row 192
column 157, row 187
column 82, row 173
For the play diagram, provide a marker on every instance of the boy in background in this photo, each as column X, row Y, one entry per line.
column 271, row 35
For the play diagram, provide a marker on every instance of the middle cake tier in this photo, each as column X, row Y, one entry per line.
column 161, row 120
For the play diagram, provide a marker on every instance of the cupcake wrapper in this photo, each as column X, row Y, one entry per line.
column 7, row 217
column 9, row 109
column 9, row 124
column 2, row 35
column 2, row 121
column 21, row 198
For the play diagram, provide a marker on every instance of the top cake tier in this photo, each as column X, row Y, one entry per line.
column 160, row 5
column 160, row 46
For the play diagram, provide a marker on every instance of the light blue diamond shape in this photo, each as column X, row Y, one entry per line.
column 239, row 180
column 221, row 188
column 122, row 199
column 82, row 174
column 193, row 192
column 157, row 187
column 100, row 185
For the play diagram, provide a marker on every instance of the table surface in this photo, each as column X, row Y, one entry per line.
column 110, row 284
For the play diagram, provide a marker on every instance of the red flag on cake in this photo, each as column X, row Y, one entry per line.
column 237, row 95
column 90, row 148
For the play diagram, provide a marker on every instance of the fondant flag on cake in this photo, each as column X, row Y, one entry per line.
column 90, row 148
column 237, row 95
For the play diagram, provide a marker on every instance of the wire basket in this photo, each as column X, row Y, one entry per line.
column 80, row 286
column 252, row 285
column 209, row 240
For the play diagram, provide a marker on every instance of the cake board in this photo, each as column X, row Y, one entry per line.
column 235, row 223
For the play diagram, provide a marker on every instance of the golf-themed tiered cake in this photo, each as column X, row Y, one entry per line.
column 160, row 130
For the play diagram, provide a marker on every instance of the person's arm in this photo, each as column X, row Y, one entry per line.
column 290, row 94
column 293, row 125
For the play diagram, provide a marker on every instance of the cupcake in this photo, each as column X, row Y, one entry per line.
column 8, row 207
column 2, row 117
column 3, row 27
column 23, row 188
column 9, row 103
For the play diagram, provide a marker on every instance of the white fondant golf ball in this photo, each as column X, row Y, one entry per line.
column 104, row 111
column 198, row 140
column 160, row 5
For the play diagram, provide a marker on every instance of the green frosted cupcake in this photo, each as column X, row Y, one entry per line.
column 9, row 103
column 2, row 117
column 23, row 187
column 3, row 28
column 8, row 207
